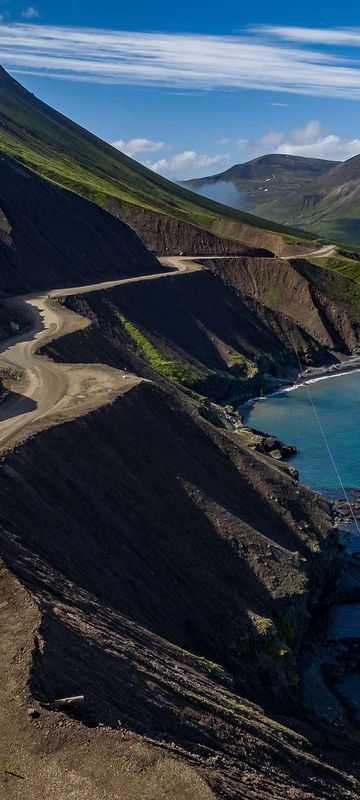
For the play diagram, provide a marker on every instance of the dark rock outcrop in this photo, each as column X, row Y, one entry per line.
column 170, row 236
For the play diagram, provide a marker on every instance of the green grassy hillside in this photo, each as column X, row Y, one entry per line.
column 264, row 184
column 312, row 194
column 66, row 154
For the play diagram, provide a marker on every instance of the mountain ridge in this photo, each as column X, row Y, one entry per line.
column 315, row 194
column 258, row 166
column 63, row 152
column 156, row 560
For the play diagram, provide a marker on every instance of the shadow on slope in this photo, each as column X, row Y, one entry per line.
column 50, row 237
column 152, row 539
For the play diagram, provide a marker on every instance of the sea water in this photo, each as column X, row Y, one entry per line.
column 319, row 417
column 294, row 416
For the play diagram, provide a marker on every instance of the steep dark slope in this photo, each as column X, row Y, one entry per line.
column 148, row 562
column 63, row 152
column 169, row 236
column 224, row 328
column 151, row 562
column 49, row 237
column 323, row 303
column 173, row 573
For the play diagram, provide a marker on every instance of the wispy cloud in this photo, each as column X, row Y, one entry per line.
column 30, row 13
column 345, row 37
column 186, row 164
column 312, row 141
column 134, row 146
column 267, row 58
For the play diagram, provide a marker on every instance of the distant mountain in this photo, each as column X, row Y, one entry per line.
column 314, row 194
column 330, row 205
column 288, row 170
column 263, row 185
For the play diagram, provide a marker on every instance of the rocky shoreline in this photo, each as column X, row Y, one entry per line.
column 313, row 374
column 331, row 656
column 346, row 510
column 310, row 375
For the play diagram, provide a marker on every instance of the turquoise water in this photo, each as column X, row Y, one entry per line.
column 290, row 416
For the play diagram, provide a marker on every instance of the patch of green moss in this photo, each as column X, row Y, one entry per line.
column 354, row 782
column 209, row 666
column 168, row 368
column 278, row 648
column 210, row 415
column 344, row 286
column 234, row 706
column 248, row 438
column 263, row 625
column 241, row 366
column 196, row 396
column 242, row 710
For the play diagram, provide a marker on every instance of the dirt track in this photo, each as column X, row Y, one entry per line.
column 323, row 252
column 58, row 392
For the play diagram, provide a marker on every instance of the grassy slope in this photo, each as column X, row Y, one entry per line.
column 329, row 218
column 345, row 266
column 267, row 182
column 66, row 154
column 63, row 152
column 281, row 199
column 341, row 224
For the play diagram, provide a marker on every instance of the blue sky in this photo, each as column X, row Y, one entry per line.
column 192, row 88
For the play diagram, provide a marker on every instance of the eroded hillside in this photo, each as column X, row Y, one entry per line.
column 167, row 574
column 152, row 564
column 229, row 330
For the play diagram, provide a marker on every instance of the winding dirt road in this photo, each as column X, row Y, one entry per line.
column 322, row 252
column 49, row 393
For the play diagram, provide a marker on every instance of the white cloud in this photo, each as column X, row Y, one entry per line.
column 224, row 140
column 332, row 147
column 346, row 37
column 271, row 59
column 186, row 164
column 242, row 142
column 309, row 133
column 311, row 141
column 139, row 145
column 271, row 140
column 30, row 13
